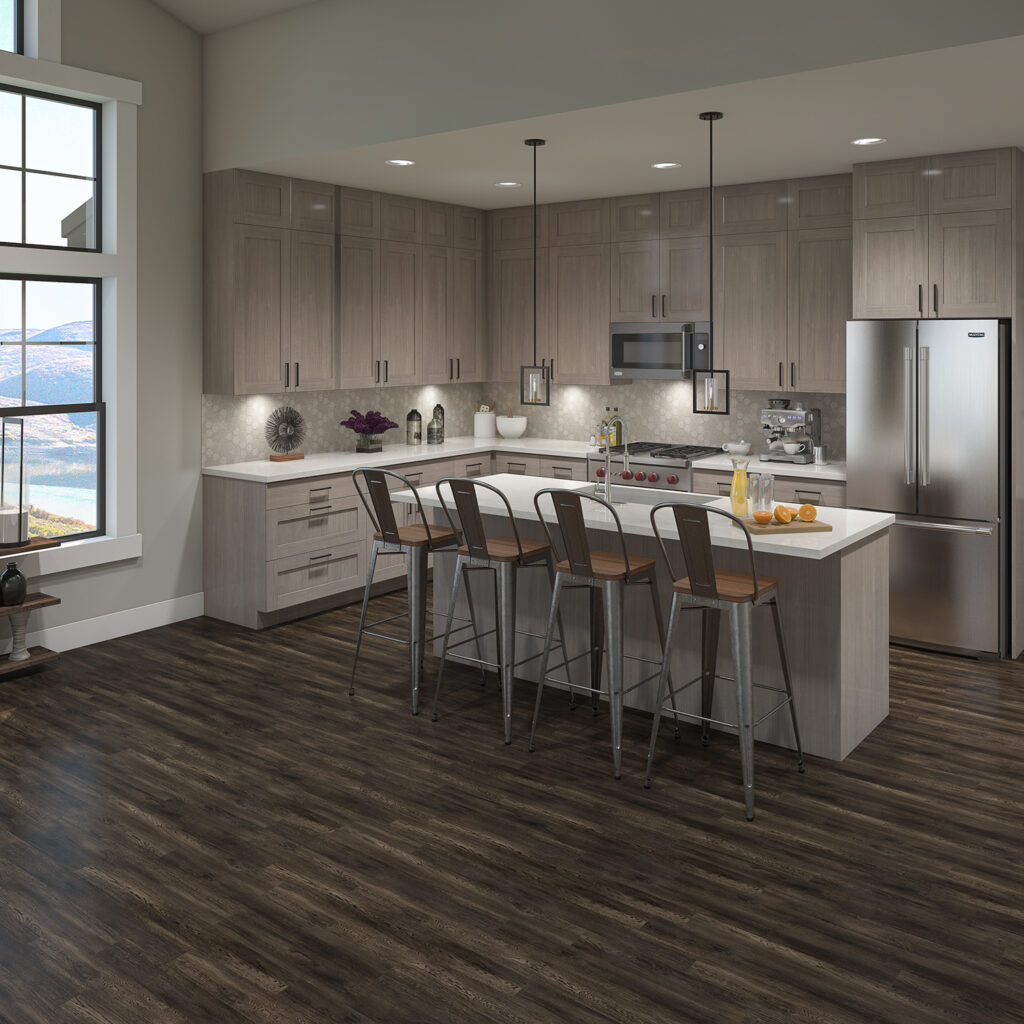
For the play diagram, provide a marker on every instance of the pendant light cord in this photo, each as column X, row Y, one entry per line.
column 711, row 116
column 534, row 255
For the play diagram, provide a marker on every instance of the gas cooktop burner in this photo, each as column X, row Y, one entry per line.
column 662, row 450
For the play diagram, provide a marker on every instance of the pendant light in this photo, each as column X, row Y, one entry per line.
column 711, row 387
column 534, row 380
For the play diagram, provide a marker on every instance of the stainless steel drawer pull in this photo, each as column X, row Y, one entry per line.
column 320, row 508
column 317, row 490
column 982, row 531
column 314, row 558
column 808, row 495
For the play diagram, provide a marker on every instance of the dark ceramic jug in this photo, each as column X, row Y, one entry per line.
column 13, row 585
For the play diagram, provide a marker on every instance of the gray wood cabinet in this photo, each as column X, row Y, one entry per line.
column 513, row 228
column 822, row 202
column 470, row 228
column 970, row 262
column 510, row 311
column 890, row 188
column 263, row 200
column 820, row 273
column 438, row 224
column 970, row 182
column 401, row 294
column 635, row 292
column 517, row 465
column 577, row 322
column 759, row 206
column 635, row 218
column 563, row 469
column 890, row 267
column 684, row 278
column 313, row 350
column 468, row 334
column 401, row 219
column 580, row 223
column 313, row 206
column 684, row 213
column 358, row 213
column 436, row 287
column 359, row 312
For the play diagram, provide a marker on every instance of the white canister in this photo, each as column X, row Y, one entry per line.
column 483, row 424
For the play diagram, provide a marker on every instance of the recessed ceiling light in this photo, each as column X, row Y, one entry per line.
column 869, row 140
column 508, row 184
column 667, row 165
column 400, row 163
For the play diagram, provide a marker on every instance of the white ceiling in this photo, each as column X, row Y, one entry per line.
column 963, row 98
column 207, row 16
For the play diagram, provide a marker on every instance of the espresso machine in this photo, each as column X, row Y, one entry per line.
column 787, row 426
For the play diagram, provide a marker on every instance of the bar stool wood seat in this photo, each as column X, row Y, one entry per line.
column 712, row 591
column 420, row 536
column 510, row 549
column 609, row 565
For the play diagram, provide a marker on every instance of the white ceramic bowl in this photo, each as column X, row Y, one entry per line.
column 737, row 447
column 511, row 426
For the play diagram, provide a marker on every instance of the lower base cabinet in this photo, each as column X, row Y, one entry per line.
column 788, row 489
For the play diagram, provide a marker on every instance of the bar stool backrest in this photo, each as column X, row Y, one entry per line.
column 568, row 507
column 380, row 508
column 464, row 491
column 694, row 531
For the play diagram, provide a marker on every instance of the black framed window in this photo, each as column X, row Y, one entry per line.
column 49, row 171
column 50, row 376
column 12, row 25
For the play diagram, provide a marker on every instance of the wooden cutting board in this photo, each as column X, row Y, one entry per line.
column 777, row 529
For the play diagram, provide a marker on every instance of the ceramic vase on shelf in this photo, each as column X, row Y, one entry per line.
column 13, row 585
column 369, row 443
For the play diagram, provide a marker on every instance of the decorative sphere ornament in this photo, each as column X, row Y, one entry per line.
column 285, row 431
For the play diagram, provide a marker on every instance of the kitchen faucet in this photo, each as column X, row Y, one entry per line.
column 608, row 457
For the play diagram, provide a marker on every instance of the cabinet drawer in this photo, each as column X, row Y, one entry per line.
column 564, row 469
column 709, row 482
column 831, row 493
column 320, row 490
column 300, row 528
column 521, row 465
column 299, row 578
column 472, row 467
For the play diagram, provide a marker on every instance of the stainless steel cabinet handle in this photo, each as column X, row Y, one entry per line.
column 287, row 371
column 908, row 420
column 935, row 298
column 377, row 372
column 982, row 531
column 792, row 375
column 922, row 417
column 816, row 494
column 663, row 307
column 920, row 300
column 654, row 299
column 320, row 508
column 296, row 374
column 458, row 369
column 451, row 369
column 551, row 375
column 385, row 371
column 780, row 375
column 314, row 558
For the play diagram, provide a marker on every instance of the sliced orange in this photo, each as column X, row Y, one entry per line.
column 808, row 513
column 762, row 516
column 784, row 514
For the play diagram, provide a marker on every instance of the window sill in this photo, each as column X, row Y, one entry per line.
column 80, row 554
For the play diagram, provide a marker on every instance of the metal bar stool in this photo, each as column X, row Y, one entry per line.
column 604, row 573
column 504, row 556
column 713, row 591
column 415, row 542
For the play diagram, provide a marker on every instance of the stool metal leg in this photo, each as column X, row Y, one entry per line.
column 744, row 698
column 613, row 617
column 417, row 618
column 552, row 615
column 596, row 646
column 663, row 681
column 653, row 587
column 362, row 615
column 784, row 657
column 506, row 573
column 457, row 574
column 711, row 620
column 561, row 635
column 476, row 629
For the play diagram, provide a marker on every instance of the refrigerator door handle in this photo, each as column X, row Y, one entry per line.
column 908, row 419
column 984, row 531
column 922, row 416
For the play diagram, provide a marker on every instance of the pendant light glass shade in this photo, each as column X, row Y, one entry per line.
column 535, row 379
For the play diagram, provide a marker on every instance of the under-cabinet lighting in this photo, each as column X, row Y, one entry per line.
column 869, row 140
column 665, row 166
column 508, row 184
column 400, row 163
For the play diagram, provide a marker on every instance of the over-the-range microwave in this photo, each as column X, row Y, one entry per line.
column 659, row 351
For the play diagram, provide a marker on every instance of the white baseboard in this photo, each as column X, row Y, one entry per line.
column 107, row 627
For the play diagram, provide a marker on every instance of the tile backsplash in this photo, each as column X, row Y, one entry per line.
column 653, row 411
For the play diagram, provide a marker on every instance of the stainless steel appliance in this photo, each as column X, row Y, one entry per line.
column 926, row 438
column 791, row 426
column 651, row 464
column 659, row 351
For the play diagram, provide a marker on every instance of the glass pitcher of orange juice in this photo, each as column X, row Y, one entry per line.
column 738, row 493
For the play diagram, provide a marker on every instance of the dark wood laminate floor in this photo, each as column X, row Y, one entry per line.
column 199, row 824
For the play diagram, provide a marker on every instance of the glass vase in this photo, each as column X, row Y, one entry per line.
column 369, row 443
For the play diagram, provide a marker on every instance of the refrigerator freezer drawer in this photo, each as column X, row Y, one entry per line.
column 944, row 584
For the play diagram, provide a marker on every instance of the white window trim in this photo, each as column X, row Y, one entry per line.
column 117, row 265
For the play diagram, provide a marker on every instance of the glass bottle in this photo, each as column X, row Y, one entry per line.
column 738, row 493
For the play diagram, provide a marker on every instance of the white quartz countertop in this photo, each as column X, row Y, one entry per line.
column 849, row 526
column 723, row 463
column 324, row 464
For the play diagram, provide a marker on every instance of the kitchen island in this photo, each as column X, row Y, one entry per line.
column 834, row 595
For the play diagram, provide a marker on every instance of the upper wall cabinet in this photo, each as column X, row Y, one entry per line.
column 581, row 223
column 513, row 228
column 260, row 199
column 470, row 228
column 684, row 213
column 824, row 202
column 577, row 324
column 358, row 213
column 401, row 219
column 438, row 224
column 890, row 188
column 511, row 310
column 314, row 206
column 742, row 209
column 635, row 218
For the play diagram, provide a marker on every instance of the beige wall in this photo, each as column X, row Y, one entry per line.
column 136, row 40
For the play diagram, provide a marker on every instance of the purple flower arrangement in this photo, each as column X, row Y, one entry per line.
column 369, row 426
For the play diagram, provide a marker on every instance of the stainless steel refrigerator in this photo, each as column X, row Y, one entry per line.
column 926, row 438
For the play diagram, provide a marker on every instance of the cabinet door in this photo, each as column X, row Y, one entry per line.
column 820, row 302
column 634, row 218
column 263, row 200
column 438, row 224
column 359, row 326
column 563, row 469
column 825, row 202
column 359, row 213
column 970, row 258
column 635, row 291
column 469, row 324
column 261, row 314
column 436, row 312
column 742, row 209
column 890, row 188
column 968, row 182
column 684, row 213
column 581, row 223
column 513, row 228
column 684, row 279
column 313, row 348
column 313, row 206
column 518, row 465
column 750, row 308
column 401, row 265
column 511, row 311
column 890, row 267
column 401, row 219
column 469, row 228
column 577, row 321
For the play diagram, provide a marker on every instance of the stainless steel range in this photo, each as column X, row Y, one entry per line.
column 654, row 464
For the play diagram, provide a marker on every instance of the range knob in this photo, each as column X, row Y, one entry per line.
column 626, row 475
column 600, row 473
column 639, row 476
column 673, row 479
column 653, row 477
